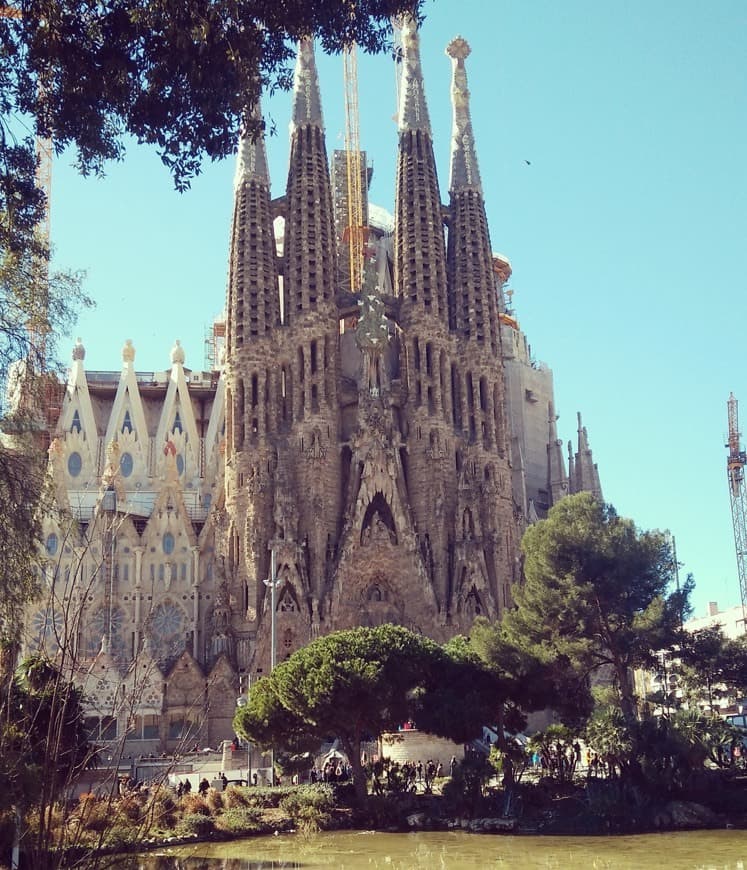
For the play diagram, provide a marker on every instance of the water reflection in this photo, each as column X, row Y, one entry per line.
column 699, row 850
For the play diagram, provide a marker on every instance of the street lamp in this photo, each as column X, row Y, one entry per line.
column 272, row 582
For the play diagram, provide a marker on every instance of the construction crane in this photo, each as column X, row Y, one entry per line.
column 44, row 148
column 356, row 230
column 735, row 464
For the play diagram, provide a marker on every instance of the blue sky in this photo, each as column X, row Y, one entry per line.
column 626, row 231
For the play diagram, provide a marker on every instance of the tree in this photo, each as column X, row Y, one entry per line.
column 596, row 594
column 361, row 682
column 43, row 745
column 180, row 76
column 710, row 666
column 34, row 310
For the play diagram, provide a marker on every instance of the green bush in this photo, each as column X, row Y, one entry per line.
column 240, row 821
column 195, row 823
column 310, row 804
column 267, row 796
column 121, row 835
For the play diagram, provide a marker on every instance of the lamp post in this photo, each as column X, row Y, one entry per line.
column 272, row 582
column 242, row 701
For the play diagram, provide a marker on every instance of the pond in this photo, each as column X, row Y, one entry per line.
column 709, row 850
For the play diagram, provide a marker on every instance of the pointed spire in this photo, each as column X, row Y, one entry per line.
column 464, row 170
column 557, row 482
column 413, row 111
column 251, row 163
column 571, row 470
column 587, row 474
column 307, row 99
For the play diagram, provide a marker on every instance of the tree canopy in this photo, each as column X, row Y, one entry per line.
column 361, row 682
column 43, row 743
column 180, row 76
column 597, row 593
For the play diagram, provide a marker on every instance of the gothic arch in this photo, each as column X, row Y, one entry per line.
column 378, row 521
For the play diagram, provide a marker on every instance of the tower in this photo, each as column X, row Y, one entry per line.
column 374, row 446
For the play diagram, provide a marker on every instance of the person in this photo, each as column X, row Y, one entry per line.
column 179, row 789
column 577, row 752
column 452, row 765
column 224, row 780
column 254, row 779
column 203, row 787
column 187, row 786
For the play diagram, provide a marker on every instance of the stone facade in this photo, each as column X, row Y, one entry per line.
column 358, row 448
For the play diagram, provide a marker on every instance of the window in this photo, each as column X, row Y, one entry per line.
column 168, row 543
column 126, row 464
column 74, row 464
column 51, row 544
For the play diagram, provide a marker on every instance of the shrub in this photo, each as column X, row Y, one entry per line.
column 311, row 805
column 240, row 820
column 268, row 796
column 160, row 808
column 192, row 804
column 214, row 801
column 236, row 796
column 95, row 814
column 120, row 836
column 130, row 807
column 195, row 823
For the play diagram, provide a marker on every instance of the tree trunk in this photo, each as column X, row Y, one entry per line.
column 500, row 739
column 353, row 749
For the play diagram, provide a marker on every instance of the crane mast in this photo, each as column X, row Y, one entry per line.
column 356, row 230
column 735, row 464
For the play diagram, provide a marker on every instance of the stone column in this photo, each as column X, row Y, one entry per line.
column 196, row 601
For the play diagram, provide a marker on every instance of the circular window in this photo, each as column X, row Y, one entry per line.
column 168, row 543
column 126, row 464
column 74, row 464
column 51, row 544
column 179, row 463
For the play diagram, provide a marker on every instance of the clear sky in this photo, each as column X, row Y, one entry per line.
column 612, row 141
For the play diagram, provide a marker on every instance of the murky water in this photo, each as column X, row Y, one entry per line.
column 704, row 850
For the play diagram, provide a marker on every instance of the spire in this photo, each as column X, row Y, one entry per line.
column 307, row 99
column 251, row 164
column 557, row 482
column 309, row 248
column 587, row 474
column 413, row 111
column 419, row 250
column 253, row 307
column 571, row 470
column 472, row 298
column 464, row 170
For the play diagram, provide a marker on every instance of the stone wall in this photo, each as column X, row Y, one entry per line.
column 417, row 746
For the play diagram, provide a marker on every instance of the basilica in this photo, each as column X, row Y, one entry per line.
column 355, row 455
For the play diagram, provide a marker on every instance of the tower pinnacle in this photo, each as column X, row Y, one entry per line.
column 307, row 100
column 413, row 111
column 251, row 163
column 464, row 169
